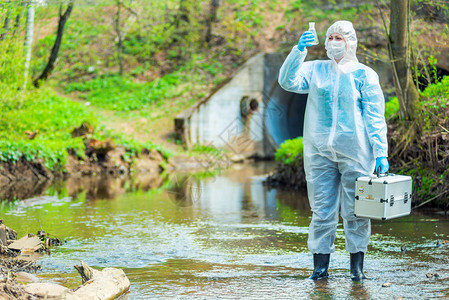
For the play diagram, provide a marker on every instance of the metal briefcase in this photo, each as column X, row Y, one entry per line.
column 384, row 197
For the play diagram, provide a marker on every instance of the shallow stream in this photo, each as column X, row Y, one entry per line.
column 224, row 237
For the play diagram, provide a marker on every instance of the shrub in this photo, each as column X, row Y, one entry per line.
column 391, row 107
column 290, row 151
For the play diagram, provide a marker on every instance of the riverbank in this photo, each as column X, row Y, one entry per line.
column 24, row 179
column 111, row 175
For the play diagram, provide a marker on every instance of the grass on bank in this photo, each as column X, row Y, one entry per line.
column 123, row 93
column 39, row 124
column 50, row 118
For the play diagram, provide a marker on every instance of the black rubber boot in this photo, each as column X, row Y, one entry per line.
column 321, row 264
column 357, row 266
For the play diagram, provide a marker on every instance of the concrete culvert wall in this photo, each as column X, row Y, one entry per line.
column 250, row 115
column 289, row 122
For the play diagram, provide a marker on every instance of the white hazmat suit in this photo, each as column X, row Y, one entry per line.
column 344, row 131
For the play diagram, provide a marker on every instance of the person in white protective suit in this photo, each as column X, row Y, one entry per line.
column 345, row 137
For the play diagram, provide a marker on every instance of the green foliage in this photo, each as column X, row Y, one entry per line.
column 11, row 49
column 424, row 182
column 243, row 24
column 44, row 111
column 83, row 32
column 425, row 67
column 53, row 152
column 214, row 67
column 52, row 117
column 208, row 151
column 122, row 93
column 37, row 123
column 251, row 17
column 438, row 90
column 294, row 7
column 433, row 67
column 134, row 147
column 290, row 151
column 143, row 44
column 391, row 107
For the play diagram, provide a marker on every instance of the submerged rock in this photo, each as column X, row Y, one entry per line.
column 109, row 283
column 432, row 275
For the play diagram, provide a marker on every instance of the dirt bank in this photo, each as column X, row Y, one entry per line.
column 290, row 176
column 25, row 179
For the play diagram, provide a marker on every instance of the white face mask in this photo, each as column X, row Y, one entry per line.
column 336, row 49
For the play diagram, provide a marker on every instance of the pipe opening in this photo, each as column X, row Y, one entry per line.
column 284, row 117
column 253, row 105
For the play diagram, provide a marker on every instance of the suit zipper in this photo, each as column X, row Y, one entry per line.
column 334, row 115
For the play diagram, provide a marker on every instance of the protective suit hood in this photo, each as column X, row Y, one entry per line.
column 346, row 29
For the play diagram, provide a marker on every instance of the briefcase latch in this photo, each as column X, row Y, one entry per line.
column 391, row 200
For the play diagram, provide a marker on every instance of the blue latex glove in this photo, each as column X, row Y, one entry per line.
column 382, row 162
column 306, row 37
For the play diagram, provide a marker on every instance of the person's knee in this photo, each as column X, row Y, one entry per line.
column 349, row 216
column 357, row 224
column 324, row 220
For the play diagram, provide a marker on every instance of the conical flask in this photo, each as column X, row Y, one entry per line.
column 312, row 30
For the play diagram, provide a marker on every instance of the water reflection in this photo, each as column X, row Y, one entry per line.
column 236, row 197
column 359, row 291
column 94, row 187
column 22, row 189
column 109, row 187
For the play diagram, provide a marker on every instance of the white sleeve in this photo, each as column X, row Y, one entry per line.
column 295, row 74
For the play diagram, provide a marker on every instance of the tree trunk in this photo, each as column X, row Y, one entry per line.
column 19, row 17
column 55, row 50
column 28, row 41
column 6, row 26
column 406, row 90
column 183, row 15
column 214, row 4
column 119, row 37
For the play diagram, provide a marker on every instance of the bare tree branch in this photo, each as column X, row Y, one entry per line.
column 56, row 46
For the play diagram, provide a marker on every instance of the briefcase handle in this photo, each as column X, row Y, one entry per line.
column 378, row 173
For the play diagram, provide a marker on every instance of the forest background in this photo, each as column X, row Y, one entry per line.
column 124, row 68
